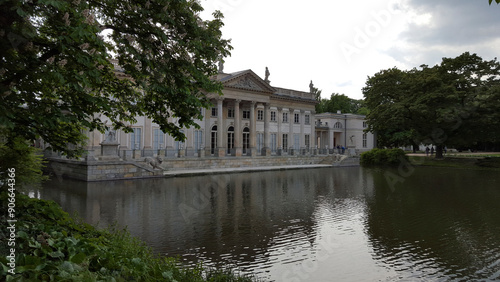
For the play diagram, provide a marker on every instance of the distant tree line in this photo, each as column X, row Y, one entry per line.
column 454, row 104
column 340, row 102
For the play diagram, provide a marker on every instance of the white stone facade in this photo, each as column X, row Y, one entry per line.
column 334, row 130
column 252, row 118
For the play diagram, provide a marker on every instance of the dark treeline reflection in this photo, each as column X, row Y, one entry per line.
column 314, row 224
column 438, row 223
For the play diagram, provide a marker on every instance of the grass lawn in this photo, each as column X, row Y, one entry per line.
column 471, row 161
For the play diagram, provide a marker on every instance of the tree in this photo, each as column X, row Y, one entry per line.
column 340, row 102
column 386, row 95
column 22, row 162
column 491, row 1
column 449, row 104
column 57, row 76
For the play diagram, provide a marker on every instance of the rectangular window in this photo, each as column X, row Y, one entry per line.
column 273, row 116
column 364, row 124
column 285, row 117
column 260, row 115
column 179, row 144
column 260, row 142
column 365, row 140
column 198, row 139
column 230, row 113
column 296, row 141
column 307, row 119
column 273, row 142
column 135, row 139
column 158, row 139
column 214, row 112
column 296, row 118
column 307, row 141
column 285, row 142
column 246, row 114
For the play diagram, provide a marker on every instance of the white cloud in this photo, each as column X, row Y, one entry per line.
column 337, row 44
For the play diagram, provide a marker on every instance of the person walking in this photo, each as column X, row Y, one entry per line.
column 427, row 151
column 432, row 151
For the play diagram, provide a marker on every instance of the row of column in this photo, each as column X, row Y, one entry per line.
column 238, row 142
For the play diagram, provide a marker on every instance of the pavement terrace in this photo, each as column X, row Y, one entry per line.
column 208, row 171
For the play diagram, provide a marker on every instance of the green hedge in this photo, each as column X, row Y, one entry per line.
column 52, row 246
column 383, row 157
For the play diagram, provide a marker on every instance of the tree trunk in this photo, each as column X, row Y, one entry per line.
column 439, row 152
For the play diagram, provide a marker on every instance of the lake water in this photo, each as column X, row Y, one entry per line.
column 333, row 224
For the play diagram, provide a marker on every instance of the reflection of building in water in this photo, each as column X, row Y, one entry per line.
column 215, row 215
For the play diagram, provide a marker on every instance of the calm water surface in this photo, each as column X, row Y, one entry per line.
column 339, row 224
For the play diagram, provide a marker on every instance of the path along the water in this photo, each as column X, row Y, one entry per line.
column 191, row 172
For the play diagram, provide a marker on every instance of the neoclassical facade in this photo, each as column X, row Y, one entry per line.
column 251, row 118
column 343, row 130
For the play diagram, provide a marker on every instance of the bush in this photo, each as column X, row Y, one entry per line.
column 383, row 157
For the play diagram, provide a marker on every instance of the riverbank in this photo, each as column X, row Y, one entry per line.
column 459, row 160
column 50, row 245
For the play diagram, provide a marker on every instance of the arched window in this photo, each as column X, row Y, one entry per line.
column 213, row 139
column 337, row 125
column 246, row 140
column 230, row 139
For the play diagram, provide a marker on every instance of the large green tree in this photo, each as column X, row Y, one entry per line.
column 57, row 75
column 449, row 104
column 386, row 95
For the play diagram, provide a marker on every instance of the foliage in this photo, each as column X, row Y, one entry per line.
column 57, row 77
column 491, row 1
column 383, row 157
column 489, row 162
column 50, row 245
column 454, row 103
column 341, row 102
column 25, row 159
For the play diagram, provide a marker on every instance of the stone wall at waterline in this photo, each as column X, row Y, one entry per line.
column 101, row 170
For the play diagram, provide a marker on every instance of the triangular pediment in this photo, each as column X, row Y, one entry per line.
column 247, row 80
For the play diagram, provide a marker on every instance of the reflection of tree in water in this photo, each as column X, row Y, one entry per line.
column 446, row 222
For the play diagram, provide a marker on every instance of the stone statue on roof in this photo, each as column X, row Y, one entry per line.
column 267, row 75
column 311, row 87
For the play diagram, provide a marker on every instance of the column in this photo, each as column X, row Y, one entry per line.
column 208, row 132
column 148, row 142
column 252, row 130
column 266, row 151
column 313, row 142
column 238, row 134
column 279, row 137
column 291, row 121
column 330, row 139
column 302, row 141
column 221, row 149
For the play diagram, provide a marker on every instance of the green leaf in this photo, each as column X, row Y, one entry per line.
column 56, row 254
column 78, row 258
column 67, row 266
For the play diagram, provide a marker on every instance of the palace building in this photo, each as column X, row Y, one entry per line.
column 251, row 118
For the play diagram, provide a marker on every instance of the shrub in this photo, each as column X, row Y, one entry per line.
column 383, row 157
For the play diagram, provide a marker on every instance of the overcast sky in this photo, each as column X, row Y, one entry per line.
column 338, row 44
